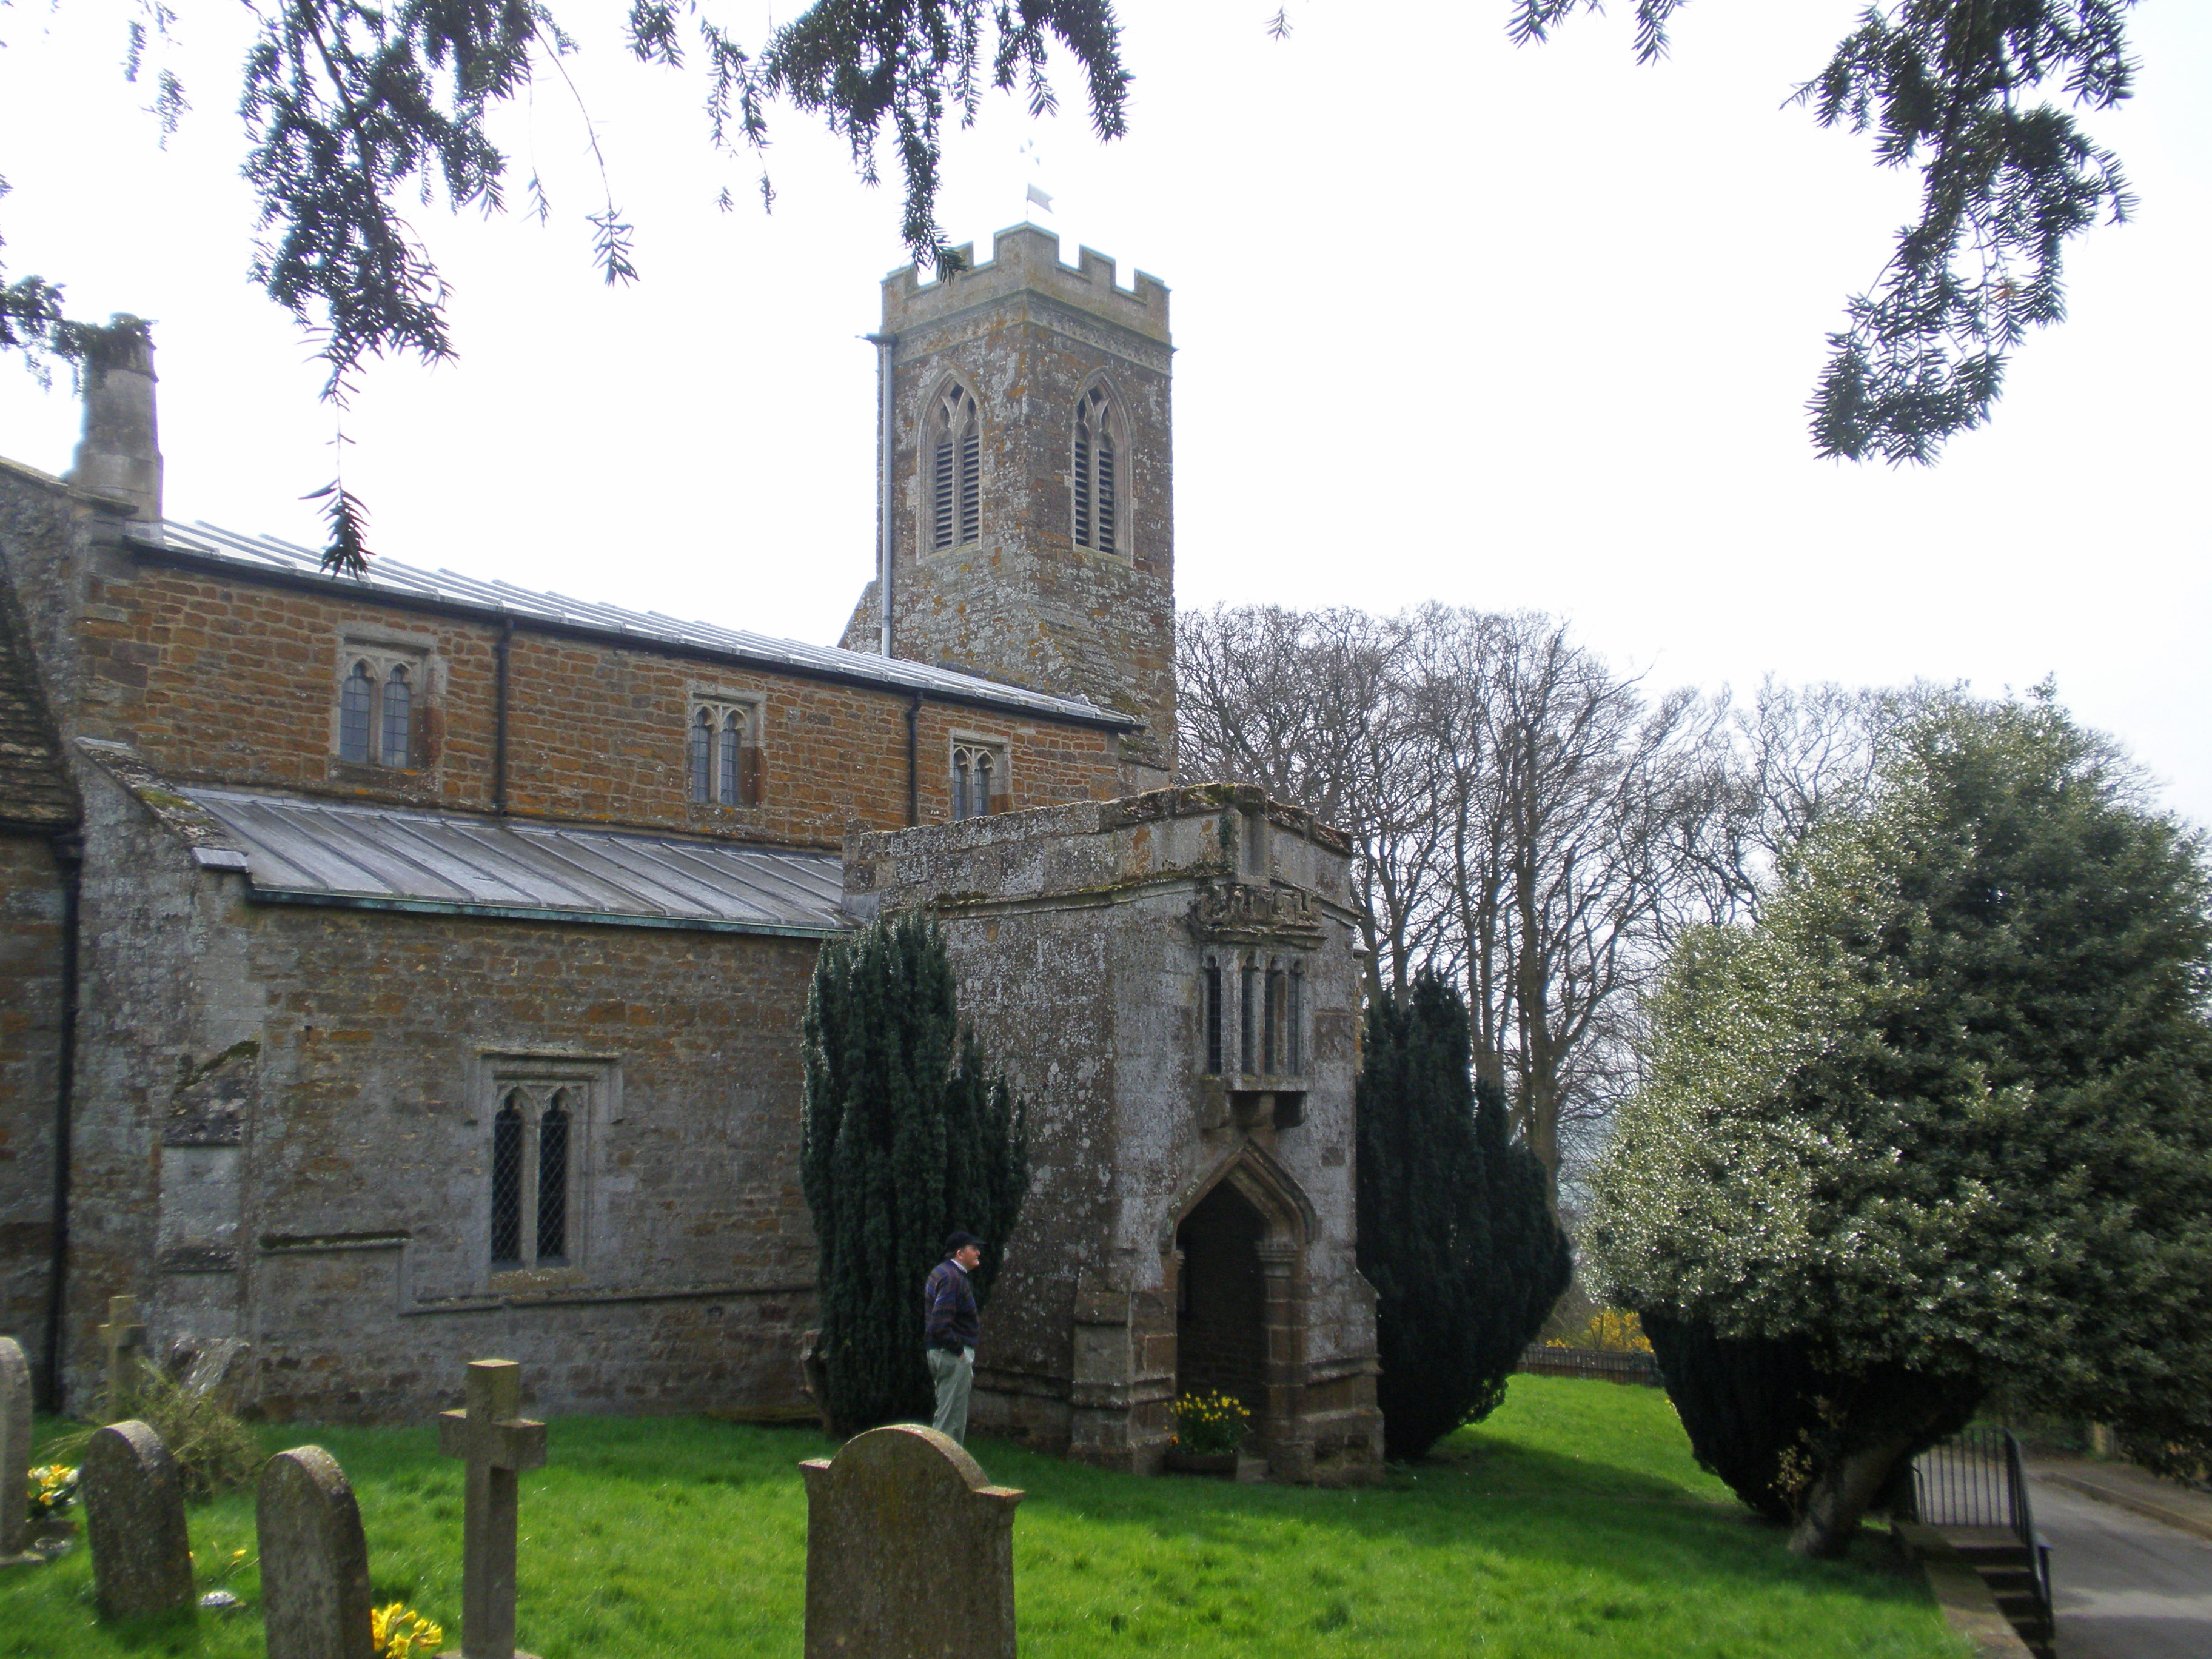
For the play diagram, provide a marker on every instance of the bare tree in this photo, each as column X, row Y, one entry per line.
column 1522, row 816
column 1794, row 755
column 1576, row 807
column 1308, row 705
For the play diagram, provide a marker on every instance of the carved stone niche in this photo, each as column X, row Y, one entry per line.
column 1254, row 1069
column 1236, row 913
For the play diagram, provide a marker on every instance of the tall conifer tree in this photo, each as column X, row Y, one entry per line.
column 909, row 1134
column 1454, row 1234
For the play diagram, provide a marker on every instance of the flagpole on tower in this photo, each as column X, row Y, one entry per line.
column 1034, row 196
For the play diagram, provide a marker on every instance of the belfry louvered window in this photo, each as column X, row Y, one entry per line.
column 956, row 470
column 1096, row 474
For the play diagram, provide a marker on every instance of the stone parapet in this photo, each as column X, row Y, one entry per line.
column 1026, row 260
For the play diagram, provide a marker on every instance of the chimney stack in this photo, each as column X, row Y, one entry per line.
column 119, row 456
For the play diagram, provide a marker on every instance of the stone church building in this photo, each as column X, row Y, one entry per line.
column 406, row 969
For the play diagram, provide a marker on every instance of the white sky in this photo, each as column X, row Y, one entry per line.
column 1503, row 328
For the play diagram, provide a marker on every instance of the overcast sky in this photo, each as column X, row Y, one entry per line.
column 1506, row 328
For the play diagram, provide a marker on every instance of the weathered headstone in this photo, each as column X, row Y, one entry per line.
column 498, row 1445
column 134, row 1509
column 15, row 1455
column 314, row 1558
column 910, row 1551
column 123, row 1339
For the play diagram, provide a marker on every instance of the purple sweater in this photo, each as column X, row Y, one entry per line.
column 951, row 1321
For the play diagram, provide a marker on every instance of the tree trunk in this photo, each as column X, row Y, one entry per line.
column 1843, row 1490
column 1887, row 1411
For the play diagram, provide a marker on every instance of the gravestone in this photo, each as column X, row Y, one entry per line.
column 314, row 1558
column 15, row 1455
column 910, row 1551
column 123, row 1339
column 134, row 1511
column 498, row 1445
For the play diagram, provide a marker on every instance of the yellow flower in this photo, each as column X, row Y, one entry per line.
column 397, row 1631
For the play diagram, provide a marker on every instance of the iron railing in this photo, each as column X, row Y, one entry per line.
column 1976, row 1478
column 1611, row 1363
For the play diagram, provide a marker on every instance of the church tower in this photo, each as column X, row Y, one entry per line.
column 1026, row 515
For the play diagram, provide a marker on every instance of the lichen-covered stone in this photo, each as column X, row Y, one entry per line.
column 14, row 1449
column 314, row 1558
column 134, row 1508
column 909, row 1551
column 1081, row 938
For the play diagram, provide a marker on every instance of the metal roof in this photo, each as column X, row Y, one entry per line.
column 383, row 858
column 445, row 588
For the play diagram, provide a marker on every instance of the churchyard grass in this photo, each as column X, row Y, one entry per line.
column 1573, row 1521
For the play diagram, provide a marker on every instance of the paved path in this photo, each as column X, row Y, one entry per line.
column 2126, row 1586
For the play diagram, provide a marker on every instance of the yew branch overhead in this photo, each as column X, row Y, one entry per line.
column 353, row 108
column 1953, row 88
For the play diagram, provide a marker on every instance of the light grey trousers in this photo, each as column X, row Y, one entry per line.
column 955, row 1375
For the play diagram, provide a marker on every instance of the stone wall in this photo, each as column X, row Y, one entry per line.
column 219, row 678
column 285, row 1136
column 38, row 814
column 30, row 1019
column 1078, row 936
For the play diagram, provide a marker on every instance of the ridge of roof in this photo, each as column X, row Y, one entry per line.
column 387, row 575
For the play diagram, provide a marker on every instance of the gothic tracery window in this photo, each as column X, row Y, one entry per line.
column 955, row 458
column 355, row 698
column 399, row 713
column 722, row 758
column 553, row 1179
column 536, row 1173
column 507, row 1181
column 1096, row 474
column 979, row 780
column 377, row 705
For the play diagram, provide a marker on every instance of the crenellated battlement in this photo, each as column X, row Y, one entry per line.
column 1025, row 258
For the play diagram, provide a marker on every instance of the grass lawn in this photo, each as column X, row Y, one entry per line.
column 1572, row 1522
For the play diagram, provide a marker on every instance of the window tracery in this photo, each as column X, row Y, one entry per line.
column 536, row 1170
column 723, row 759
column 378, row 709
column 978, row 779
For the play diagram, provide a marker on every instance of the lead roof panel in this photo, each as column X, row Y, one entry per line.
column 345, row 852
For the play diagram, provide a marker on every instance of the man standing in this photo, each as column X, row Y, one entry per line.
column 951, row 1329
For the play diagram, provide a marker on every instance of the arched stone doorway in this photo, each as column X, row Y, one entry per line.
column 1221, row 1301
column 1239, row 1244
